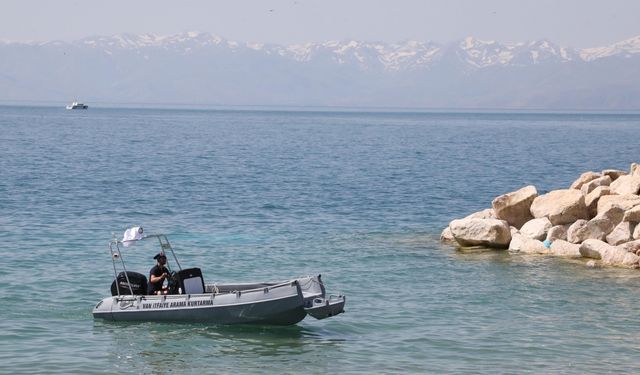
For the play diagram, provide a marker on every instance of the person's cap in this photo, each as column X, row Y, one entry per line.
column 160, row 255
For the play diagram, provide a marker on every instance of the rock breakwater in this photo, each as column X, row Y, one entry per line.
column 596, row 217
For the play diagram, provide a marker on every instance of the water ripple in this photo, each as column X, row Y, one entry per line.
column 358, row 197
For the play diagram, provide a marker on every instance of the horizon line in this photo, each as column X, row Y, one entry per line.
column 318, row 108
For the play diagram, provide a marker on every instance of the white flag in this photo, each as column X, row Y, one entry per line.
column 131, row 235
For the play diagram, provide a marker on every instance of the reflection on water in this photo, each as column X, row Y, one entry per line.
column 155, row 346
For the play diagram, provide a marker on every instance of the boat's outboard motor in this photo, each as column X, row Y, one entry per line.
column 190, row 281
column 138, row 284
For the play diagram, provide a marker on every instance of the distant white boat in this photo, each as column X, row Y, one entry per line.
column 77, row 105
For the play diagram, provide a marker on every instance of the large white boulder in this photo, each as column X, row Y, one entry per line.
column 515, row 207
column 481, row 232
column 517, row 241
column 631, row 247
column 609, row 255
column 525, row 245
column 591, row 185
column 532, row 246
column 622, row 233
column 600, row 226
column 613, row 173
column 536, row 228
column 591, row 199
column 591, row 249
column 629, row 184
column 632, row 214
column 636, row 233
column 560, row 206
column 584, row 178
column 573, row 230
column 487, row 213
column 634, row 169
column 446, row 235
column 626, row 202
column 558, row 232
column 563, row 248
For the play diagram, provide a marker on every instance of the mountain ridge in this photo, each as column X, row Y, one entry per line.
column 203, row 67
column 479, row 50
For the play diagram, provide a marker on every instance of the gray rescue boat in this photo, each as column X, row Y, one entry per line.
column 189, row 299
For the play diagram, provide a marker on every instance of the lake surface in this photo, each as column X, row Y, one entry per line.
column 268, row 195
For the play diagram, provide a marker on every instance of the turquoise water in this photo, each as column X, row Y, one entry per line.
column 267, row 195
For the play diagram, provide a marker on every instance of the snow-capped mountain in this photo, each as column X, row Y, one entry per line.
column 397, row 56
column 483, row 54
column 367, row 55
column 181, row 41
column 627, row 48
column 207, row 68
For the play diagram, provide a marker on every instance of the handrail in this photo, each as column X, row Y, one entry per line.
column 261, row 289
column 124, row 267
column 118, row 253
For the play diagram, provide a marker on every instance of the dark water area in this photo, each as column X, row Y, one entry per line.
column 360, row 197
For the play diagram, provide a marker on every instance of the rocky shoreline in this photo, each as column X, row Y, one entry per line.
column 596, row 217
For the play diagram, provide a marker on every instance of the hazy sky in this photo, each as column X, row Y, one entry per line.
column 575, row 23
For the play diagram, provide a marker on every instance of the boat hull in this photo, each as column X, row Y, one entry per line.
column 280, row 304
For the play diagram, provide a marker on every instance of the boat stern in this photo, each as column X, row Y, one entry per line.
column 321, row 308
column 315, row 300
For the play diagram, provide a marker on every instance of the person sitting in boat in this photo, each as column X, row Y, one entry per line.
column 158, row 274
